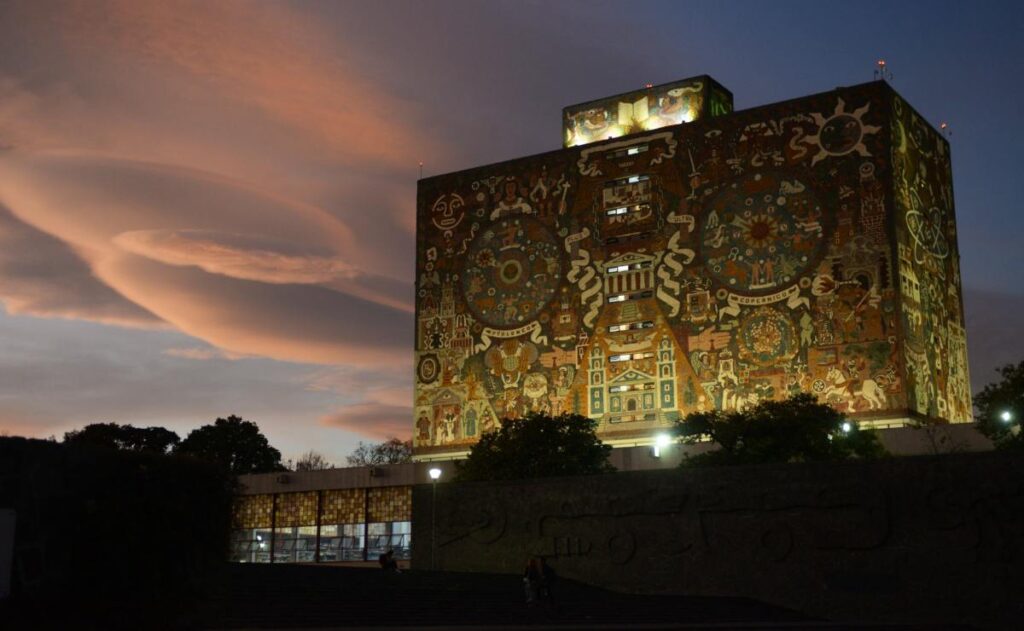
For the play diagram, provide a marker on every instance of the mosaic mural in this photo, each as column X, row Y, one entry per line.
column 648, row 109
column 934, row 340
column 784, row 249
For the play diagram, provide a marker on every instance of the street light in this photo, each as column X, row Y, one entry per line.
column 435, row 475
column 846, row 427
column 1007, row 416
column 660, row 442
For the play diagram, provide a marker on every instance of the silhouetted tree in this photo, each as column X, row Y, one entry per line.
column 156, row 440
column 234, row 443
column 798, row 429
column 391, row 451
column 999, row 407
column 311, row 461
column 537, row 446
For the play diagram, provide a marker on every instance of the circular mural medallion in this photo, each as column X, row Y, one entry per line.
column 767, row 336
column 761, row 233
column 428, row 368
column 512, row 270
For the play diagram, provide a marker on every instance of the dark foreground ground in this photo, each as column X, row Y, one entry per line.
column 324, row 597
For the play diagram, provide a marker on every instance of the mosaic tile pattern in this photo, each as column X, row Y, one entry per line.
column 296, row 509
column 343, row 506
column 391, row 504
column 252, row 511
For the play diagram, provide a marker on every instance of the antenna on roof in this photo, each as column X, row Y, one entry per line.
column 881, row 71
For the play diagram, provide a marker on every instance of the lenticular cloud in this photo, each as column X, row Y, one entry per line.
column 246, row 271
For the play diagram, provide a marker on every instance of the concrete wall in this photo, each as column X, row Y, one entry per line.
column 342, row 478
column 905, row 539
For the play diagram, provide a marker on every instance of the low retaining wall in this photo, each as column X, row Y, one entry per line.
column 904, row 539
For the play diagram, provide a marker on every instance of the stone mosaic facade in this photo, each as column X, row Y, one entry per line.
column 804, row 246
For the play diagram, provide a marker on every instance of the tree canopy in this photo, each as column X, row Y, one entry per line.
column 391, row 451
column 234, row 443
column 798, row 429
column 312, row 461
column 156, row 440
column 999, row 407
column 537, row 446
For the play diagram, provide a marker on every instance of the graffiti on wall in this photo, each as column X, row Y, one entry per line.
column 712, row 265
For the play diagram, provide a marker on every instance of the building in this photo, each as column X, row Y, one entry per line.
column 333, row 516
column 677, row 256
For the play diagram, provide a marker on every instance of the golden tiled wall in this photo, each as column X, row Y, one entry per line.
column 343, row 506
column 252, row 511
column 390, row 504
column 296, row 509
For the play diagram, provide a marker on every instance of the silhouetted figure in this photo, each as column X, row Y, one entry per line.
column 532, row 578
column 548, row 578
column 387, row 562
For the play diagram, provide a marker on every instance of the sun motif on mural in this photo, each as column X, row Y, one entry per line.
column 841, row 132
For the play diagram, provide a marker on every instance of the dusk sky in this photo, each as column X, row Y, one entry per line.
column 208, row 208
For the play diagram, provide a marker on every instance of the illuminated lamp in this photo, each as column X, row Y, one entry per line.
column 661, row 441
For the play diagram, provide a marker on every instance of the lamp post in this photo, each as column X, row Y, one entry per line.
column 435, row 474
column 660, row 442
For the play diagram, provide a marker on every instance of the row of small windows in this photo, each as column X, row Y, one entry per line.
column 632, row 179
column 625, row 357
column 622, row 210
column 629, row 267
column 631, row 326
column 627, row 151
column 649, row 385
column 637, row 295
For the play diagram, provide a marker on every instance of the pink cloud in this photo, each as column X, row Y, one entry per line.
column 42, row 276
column 202, row 354
column 168, row 240
column 265, row 56
column 373, row 419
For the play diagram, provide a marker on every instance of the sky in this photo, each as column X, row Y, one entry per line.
column 208, row 208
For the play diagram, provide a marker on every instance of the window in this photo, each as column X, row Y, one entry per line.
column 629, row 267
column 251, row 545
column 632, row 179
column 627, row 151
column 393, row 535
column 634, row 296
column 342, row 542
column 625, row 357
column 295, row 544
column 634, row 386
column 631, row 326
